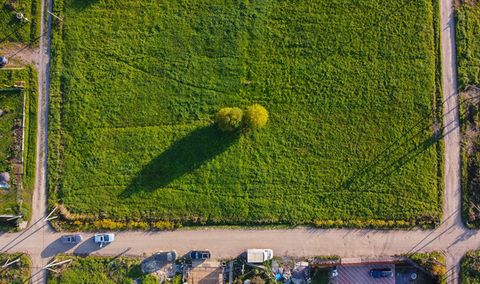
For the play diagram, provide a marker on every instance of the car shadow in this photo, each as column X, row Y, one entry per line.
column 55, row 248
column 87, row 247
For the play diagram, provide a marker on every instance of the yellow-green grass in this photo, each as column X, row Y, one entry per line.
column 350, row 88
column 96, row 269
column 18, row 272
column 470, row 268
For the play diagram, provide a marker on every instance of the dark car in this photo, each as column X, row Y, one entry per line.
column 381, row 273
column 71, row 239
column 199, row 254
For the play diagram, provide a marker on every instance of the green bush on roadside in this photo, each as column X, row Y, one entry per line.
column 470, row 268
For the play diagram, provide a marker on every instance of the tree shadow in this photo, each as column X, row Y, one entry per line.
column 184, row 156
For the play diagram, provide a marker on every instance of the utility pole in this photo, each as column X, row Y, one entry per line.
column 8, row 263
column 56, row 263
column 55, row 16
column 48, row 218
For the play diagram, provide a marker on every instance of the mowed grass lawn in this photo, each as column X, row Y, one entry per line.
column 349, row 85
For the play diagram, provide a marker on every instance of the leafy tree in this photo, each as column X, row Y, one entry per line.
column 256, row 116
column 229, row 118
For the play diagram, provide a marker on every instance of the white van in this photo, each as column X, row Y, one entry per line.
column 259, row 255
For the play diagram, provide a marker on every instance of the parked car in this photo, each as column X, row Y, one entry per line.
column 71, row 239
column 259, row 255
column 157, row 261
column 381, row 273
column 3, row 61
column 199, row 254
column 103, row 239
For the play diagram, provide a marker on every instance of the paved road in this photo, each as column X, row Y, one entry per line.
column 451, row 236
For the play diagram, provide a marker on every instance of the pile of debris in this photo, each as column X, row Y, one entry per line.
column 292, row 272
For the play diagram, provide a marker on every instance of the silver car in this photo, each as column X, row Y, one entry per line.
column 71, row 239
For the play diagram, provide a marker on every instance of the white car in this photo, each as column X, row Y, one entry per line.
column 103, row 239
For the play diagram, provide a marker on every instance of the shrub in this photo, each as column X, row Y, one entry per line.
column 439, row 270
column 256, row 117
column 229, row 119
column 163, row 225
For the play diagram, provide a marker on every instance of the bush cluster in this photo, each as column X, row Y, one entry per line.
column 229, row 118
column 256, row 117
column 233, row 118
column 372, row 223
column 109, row 224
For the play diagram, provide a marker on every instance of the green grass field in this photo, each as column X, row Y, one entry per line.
column 12, row 29
column 17, row 273
column 470, row 268
column 349, row 85
column 94, row 269
column 468, row 45
column 16, row 200
column 468, row 61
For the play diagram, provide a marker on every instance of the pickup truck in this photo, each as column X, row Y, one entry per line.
column 259, row 255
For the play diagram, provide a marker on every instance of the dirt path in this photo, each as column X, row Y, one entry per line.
column 38, row 227
column 20, row 55
column 452, row 199
column 451, row 236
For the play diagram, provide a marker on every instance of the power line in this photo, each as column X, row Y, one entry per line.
column 26, row 46
column 9, row 35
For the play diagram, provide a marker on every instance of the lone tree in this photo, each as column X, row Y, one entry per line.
column 256, row 117
column 229, row 118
